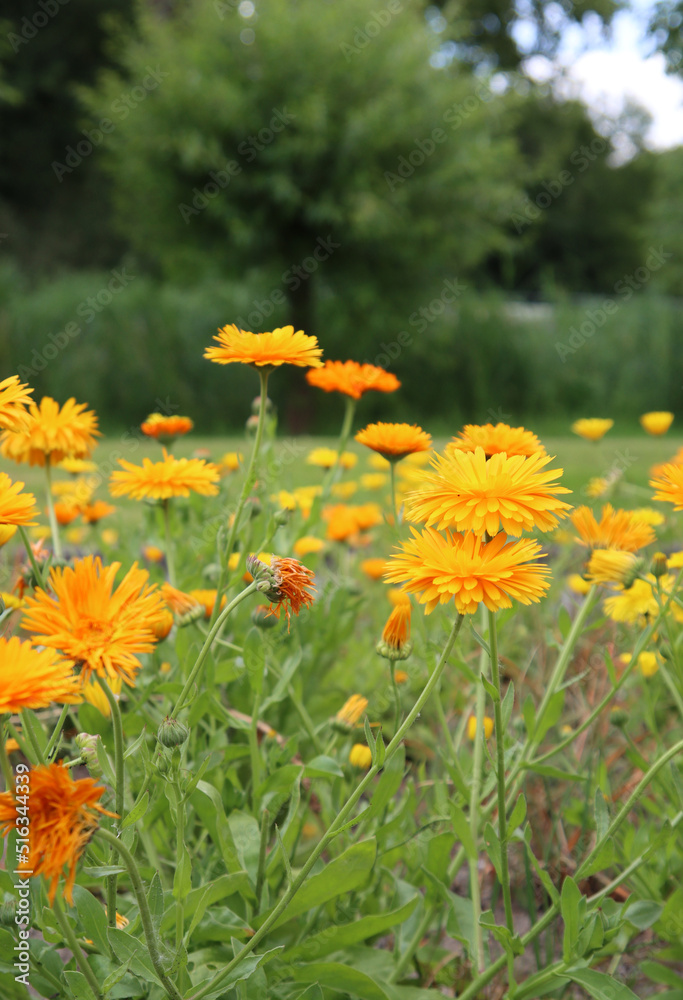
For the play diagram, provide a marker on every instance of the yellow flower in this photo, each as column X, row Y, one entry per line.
column 165, row 667
column 465, row 569
column 669, row 485
column 400, row 676
column 496, row 439
column 95, row 696
column 647, row 664
column 373, row 480
column 469, row 492
column 352, row 710
column 307, row 545
column 290, row 591
column 172, row 477
column 7, row 532
column 649, row 516
column 611, row 566
column 152, row 553
column 326, row 458
column 675, row 560
column 377, row 462
column 32, row 678
column 207, row 598
column 265, row 350
column 284, row 499
column 11, row 600
column 14, row 397
column 617, row 529
column 109, row 537
column 360, row 756
column 77, row 466
column 344, row 491
column 352, row 379
column 632, row 604
column 577, row 583
column 94, row 512
column 15, row 507
column 394, row 441
column 657, row 422
column 592, row 428
column 397, row 596
column 231, row 461
column 597, row 487
column 52, row 434
column 472, row 726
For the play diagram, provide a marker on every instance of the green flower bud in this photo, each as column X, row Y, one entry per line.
column 391, row 653
column 172, row 733
column 262, row 619
column 88, row 744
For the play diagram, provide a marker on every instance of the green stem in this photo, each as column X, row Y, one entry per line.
column 475, row 792
column 500, row 772
column 261, row 872
column 54, row 527
column 37, row 571
column 347, row 424
column 145, row 915
column 392, row 477
column 170, row 554
column 339, row 820
column 249, row 480
column 254, row 751
column 119, row 791
column 5, row 765
column 75, row 947
column 397, row 696
column 56, row 732
column 213, row 632
column 180, row 845
column 27, row 728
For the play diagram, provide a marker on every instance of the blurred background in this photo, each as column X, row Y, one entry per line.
column 418, row 185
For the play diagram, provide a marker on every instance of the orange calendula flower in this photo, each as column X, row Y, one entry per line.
column 66, row 512
column 463, row 568
column 669, row 485
column 592, row 428
column 32, row 678
column 469, row 492
column 352, row 379
column 616, row 529
column 352, row 710
column 495, row 438
column 394, row 441
column 178, row 601
column 307, row 546
column 152, row 553
column 52, row 434
column 395, row 644
column 64, row 815
column 374, row 568
column 265, row 350
column 14, row 397
column 207, row 599
column 15, row 507
column 94, row 512
column 291, row 586
column 172, row 477
column 657, row 422
column 163, row 428
column 99, row 627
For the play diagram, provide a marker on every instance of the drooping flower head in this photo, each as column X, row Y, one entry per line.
column 172, row 477
column 292, row 585
column 352, row 710
column 52, row 434
column 265, row 350
column 207, row 599
column 669, row 485
column 467, row 491
column 15, row 507
column 616, row 529
column 657, row 422
column 64, row 815
column 100, row 628
column 462, row 568
column 613, row 566
column 165, row 429
column 33, row 678
column 394, row 441
column 14, row 397
column 395, row 642
column 592, row 428
column 494, row 438
column 352, row 379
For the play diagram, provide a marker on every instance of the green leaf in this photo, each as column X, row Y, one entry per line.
column 570, row 899
column 462, row 830
column 337, row 936
column 601, row 815
column 518, row 814
column 351, row 870
column 209, row 805
column 341, row 978
column 492, row 692
column 155, row 901
column 512, row 943
column 204, row 896
column 387, row 786
column 552, row 715
column 254, row 651
column 242, row 972
column 508, row 704
column 529, row 715
column 493, row 848
column 603, row 859
column 643, row 913
column 277, row 788
column 92, row 917
column 599, row 985
column 564, row 623
column 659, row 973
column 137, row 812
column 134, row 746
column 246, row 836
column 323, row 767
column 113, row 978
column 133, row 953
column 79, row 986
column 105, row 764
column 552, row 772
column 182, row 877
column 103, row 871
column 32, row 722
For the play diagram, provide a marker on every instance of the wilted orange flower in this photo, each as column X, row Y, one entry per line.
column 469, row 492
column 657, row 422
column 52, row 434
column 15, row 507
column 31, row 678
column 165, row 428
column 292, row 584
column 207, row 598
column 592, row 428
column 265, row 350
column 66, row 512
column 94, row 512
column 465, row 569
column 14, row 396
column 374, row 568
column 172, row 477
column 394, row 441
column 352, row 710
column 100, row 628
column 617, row 529
column 352, row 379
column 396, row 632
column 494, row 438
column 669, row 485
column 64, row 815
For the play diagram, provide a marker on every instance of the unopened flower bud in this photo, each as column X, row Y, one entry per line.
column 254, row 506
column 659, row 564
column 392, row 652
column 88, row 744
column 262, row 619
column 282, row 516
column 619, row 716
column 256, row 405
column 190, row 616
column 172, row 733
